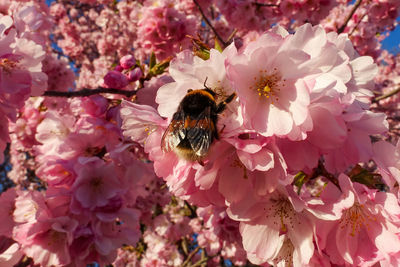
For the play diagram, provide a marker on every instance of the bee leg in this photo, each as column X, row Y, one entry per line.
column 201, row 162
column 221, row 106
column 205, row 86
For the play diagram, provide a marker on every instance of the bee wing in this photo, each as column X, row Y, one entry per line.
column 200, row 136
column 175, row 132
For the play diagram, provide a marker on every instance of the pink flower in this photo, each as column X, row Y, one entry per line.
column 60, row 76
column 139, row 121
column 267, row 79
column 357, row 146
column 43, row 237
column 289, row 78
column 279, row 234
column 95, row 105
column 91, row 137
column 7, row 200
column 387, row 157
column 96, row 183
column 147, row 95
column 162, row 30
column 11, row 252
column 368, row 229
column 50, row 243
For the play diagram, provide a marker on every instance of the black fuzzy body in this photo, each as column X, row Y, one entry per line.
column 193, row 127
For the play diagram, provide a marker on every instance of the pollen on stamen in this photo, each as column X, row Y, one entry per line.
column 285, row 254
column 148, row 129
column 356, row 217
column 268, row 84
column 283, row 214
column 7, row 64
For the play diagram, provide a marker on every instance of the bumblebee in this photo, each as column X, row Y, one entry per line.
column 193, row 127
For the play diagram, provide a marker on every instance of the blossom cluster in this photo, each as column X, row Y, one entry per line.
column 21, row 73
column 300, row 154
column 92, row 181
column 305, row 94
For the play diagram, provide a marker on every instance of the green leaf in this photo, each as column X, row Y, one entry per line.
column 299, row 180
column 159, row 68
column 365, row 177
column 203, row 54
column 153, row 60
column 217, row 45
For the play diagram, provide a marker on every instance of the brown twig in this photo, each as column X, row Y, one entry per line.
column 89, row 92
column 184, row 246
column 190, row 256
column 392, row 93
column 348, row 18
column 193, row 213
column 264, row 5
column 230, row 38
column 200, row 262
column 321, row 171
column 358, row 23
column 209, row 24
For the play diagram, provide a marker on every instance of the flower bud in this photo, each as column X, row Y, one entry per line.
column 119, row 68
column 127, row 61
column 135, row 74
column 115, row 79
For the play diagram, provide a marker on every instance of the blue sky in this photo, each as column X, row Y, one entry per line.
column 392, row 42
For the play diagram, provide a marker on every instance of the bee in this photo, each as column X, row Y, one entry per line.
column 193, row 127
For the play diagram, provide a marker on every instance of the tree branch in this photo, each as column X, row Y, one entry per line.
column 348, row 18
column 200, row 262
column 190, row 256
column 264, row 5
column 358, row 23
column 209, row 24
column 89, row 92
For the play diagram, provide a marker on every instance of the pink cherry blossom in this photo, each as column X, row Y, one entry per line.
column 304, row 170
column 8, row 206
column 96, row 183
column 367, row 231
column 387, row 157
column 279, row 235
column 162, row 30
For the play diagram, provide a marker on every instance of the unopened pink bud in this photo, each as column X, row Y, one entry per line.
column 127, row 61
column 119, row 68
column 115, row 79
column 135, row 74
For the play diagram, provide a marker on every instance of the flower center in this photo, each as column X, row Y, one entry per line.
column 283, row 214
column 356, row 217
column 268, row 84
column 7, row 64
column 285, row 254
column 96, row 183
